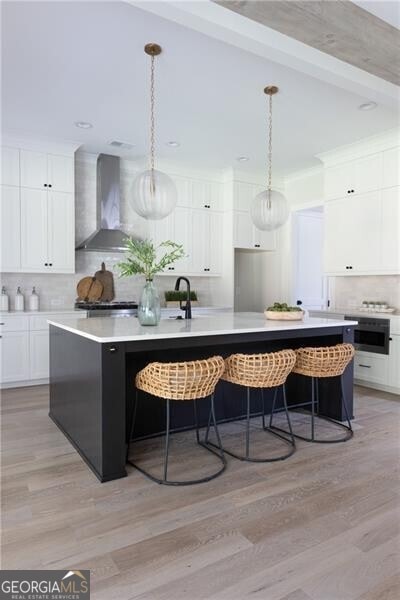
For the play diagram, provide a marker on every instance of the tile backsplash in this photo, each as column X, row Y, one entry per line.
column 59, row 291
column 350, row 292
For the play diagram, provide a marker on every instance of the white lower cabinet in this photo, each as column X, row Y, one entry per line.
column 371, row 367
column 39, row 355
column 394, row 362
column 24, row 347
column 14, row 352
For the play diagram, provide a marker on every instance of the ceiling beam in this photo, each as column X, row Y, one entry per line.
column 340, row 28
column 216, row 21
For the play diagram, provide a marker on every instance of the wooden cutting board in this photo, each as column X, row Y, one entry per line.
column 89, row 289
column 107, row 279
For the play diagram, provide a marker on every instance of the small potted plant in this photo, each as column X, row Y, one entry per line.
column 283, row 312
column 142, row 257
column 173, row 299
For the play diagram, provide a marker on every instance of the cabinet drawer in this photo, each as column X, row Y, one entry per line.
column 371, row 367
column 14, row 323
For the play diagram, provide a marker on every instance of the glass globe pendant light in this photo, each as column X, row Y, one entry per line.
column 154, row 193
column 269, row 209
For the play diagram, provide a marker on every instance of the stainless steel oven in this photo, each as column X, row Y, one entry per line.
column 371, row 334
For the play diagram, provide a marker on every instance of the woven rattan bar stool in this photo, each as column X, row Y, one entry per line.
column 181, row 382
column 260, row 371
column 317, row 363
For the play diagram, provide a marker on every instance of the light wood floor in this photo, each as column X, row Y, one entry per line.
column 323, row 525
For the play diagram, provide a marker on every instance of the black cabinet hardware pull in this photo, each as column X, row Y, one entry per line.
column 50, row 185
column 50, row 264
column 112, row 349
column 3, row 324
column 45, row 184
column 46, row 264
column 365, row 366
column 390, row 339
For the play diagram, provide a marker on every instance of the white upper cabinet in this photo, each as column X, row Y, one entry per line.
column 247, row 236
column 60, row 232
column 10, row 207
column 354, row 177
column 362, row 234
column 33, row 169
column 391, row 168
column 34, row 255
column 47, row 171
column 60, row 173
column 9, row 166
column 206, row 194
column 390, row 230
column 38, row 220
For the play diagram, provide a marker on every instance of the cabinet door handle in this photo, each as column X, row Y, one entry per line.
column 50, row 185
column 365, row 366
column 46, row 264
column 352, row 191
column 112, row 349
column 45, row 185
column 390, row 339
column 50, row 264
column 3, row 324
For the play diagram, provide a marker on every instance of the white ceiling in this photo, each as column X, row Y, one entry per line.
column 77, row 61
column 387, row 10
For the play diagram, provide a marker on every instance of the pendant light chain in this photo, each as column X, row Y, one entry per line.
column 270, row 145
column 152, row 118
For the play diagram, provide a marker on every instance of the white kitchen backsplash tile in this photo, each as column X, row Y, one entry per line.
column 59, row 291
column 350, row 292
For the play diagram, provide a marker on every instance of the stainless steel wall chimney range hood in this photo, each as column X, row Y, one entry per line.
column 108, row 235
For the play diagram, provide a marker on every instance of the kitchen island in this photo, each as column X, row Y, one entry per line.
column 93, row 364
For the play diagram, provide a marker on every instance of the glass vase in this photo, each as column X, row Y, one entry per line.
column 149, row 310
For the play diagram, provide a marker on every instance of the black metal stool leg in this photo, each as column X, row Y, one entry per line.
column 246, row 456
column 273, row 407
column 312, row 410
column 287, row 414
column 248, row 424
column 166, row 451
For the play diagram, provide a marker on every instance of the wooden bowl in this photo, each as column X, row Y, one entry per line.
column 290, row 315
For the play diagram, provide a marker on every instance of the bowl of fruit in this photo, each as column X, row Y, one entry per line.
column 283, row 312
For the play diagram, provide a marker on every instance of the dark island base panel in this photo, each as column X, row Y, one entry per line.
column 92, row 387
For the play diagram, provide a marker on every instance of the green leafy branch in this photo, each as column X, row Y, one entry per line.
column 141, row 257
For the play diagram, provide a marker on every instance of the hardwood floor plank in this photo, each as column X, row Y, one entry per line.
column 322, row 525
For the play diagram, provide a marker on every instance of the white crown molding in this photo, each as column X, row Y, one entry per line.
column 304, row 173
column 48, row 145
column 370, row 145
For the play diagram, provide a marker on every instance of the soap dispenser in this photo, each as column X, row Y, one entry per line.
column 19, row 300
column 4, row 303
column 34, row 300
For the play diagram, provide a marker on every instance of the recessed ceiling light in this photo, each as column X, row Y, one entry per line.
column 83, row 125
column 368, row 106
column 242, row 158
column 173, row 144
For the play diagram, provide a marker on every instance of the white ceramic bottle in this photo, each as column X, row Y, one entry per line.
column 4, row 302
column 34, row 300
column 19, row 300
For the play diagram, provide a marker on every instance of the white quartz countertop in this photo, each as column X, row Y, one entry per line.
column 128, row 329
